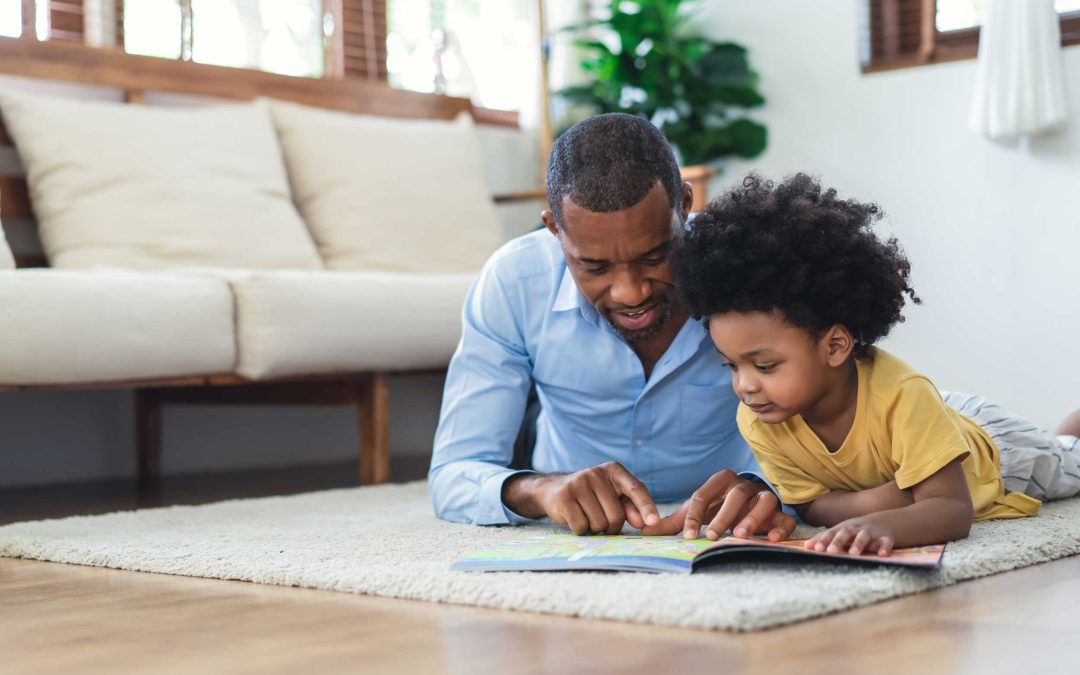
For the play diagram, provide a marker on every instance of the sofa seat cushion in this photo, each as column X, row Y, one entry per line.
column 68, row 327
column 148, row 187
column 389, row 194
column 297, row 323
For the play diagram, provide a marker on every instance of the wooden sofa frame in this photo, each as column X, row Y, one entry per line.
column 135, row 76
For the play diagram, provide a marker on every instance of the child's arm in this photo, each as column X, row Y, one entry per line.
column 840, row 505
column 941, row 512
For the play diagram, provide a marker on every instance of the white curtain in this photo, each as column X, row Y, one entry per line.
column 1019, row 83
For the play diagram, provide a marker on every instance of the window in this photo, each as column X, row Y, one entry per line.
column 152, row 28
column 277, row 36
column 961, row 14
column 13, row 21
column 11, row 18
column 902, row 33
column 483, row 50
column 457, row 48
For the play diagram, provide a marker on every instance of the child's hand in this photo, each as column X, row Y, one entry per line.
column 853, row 536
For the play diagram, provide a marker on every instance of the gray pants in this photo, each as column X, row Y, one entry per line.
column 1033, row 460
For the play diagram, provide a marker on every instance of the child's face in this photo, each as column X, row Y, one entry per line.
column 778, row 370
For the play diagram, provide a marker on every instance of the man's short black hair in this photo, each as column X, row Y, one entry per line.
column 799, row 250
column 609, row 163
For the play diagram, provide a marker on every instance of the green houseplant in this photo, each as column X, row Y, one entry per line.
column 646, row 60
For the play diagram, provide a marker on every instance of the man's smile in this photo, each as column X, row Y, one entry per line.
column 637, row 319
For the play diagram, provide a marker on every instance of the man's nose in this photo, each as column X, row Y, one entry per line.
column 630, row 288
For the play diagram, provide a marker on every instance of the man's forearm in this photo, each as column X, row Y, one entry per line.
column 840, row 505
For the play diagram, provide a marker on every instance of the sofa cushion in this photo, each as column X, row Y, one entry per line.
column 151, row 187
column 63, row 327
column 389, row 194
column 7, row 261
column 292, row 323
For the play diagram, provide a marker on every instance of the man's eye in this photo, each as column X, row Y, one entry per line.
column 596, row 270
column 655, row 260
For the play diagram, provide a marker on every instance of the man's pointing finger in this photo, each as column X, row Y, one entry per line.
column 625, row 483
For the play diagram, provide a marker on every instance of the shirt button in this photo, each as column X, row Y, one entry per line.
column 638, row 442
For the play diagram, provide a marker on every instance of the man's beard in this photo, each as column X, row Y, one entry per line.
column 663, row 308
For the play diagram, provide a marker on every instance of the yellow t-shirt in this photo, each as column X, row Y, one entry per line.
column 902, row 431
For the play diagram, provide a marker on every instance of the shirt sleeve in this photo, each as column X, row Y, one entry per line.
column 484, row 400
column 791, row 483
column 924, row 434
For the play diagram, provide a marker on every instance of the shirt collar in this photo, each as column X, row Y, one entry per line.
column 569, row 298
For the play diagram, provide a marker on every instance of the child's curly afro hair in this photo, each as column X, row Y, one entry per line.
column 797, row 249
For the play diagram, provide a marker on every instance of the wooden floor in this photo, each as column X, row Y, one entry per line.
column 71, row 619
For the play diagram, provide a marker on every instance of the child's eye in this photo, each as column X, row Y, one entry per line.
column 767, row 368
column 729, row 364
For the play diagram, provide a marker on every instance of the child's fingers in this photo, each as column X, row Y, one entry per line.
column 885, row 545
column 858, row 545
column 823, row 539
column 841, row 540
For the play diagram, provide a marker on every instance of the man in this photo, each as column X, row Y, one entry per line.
column 636, row 405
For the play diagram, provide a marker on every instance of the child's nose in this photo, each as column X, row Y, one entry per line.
column 749, row 384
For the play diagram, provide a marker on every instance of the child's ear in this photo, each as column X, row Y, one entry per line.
column 839, row 344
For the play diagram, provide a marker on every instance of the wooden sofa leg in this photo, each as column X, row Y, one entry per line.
column 148, row 436
column 373, row 401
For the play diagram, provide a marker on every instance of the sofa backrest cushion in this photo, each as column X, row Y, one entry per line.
column 143, row 187
column 7, row 262
column 389, row 194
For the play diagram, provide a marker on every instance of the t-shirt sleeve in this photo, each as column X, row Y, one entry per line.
column 794, row 485
column 924, row 434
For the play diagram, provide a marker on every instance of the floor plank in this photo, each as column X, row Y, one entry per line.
column 64, row 618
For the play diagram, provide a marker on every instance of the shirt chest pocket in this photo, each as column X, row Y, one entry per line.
column 707, row 413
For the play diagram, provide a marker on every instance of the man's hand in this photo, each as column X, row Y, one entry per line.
column 725, row 502
column 853, row 537
column 594, row 500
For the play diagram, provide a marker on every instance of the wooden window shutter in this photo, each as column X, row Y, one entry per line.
column 119, row 25
column 66, row 20
column 902, row 32
column 363, row 39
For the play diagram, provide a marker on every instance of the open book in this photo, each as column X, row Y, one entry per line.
column 663, row 554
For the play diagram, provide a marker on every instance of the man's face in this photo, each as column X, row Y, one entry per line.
column 620, row 260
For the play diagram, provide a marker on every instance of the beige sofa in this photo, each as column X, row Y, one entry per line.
column 239, row 244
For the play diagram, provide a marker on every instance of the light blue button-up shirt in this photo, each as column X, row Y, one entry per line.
column 525, row 321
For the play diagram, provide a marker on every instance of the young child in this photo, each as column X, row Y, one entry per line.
column 796, row 289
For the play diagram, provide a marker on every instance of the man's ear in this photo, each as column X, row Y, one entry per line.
column 687, row 202
column 838, row 343
column 548, row 219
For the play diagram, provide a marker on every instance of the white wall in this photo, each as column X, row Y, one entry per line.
column 993, row 231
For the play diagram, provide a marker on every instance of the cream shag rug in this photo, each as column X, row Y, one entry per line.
column 384, row 540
